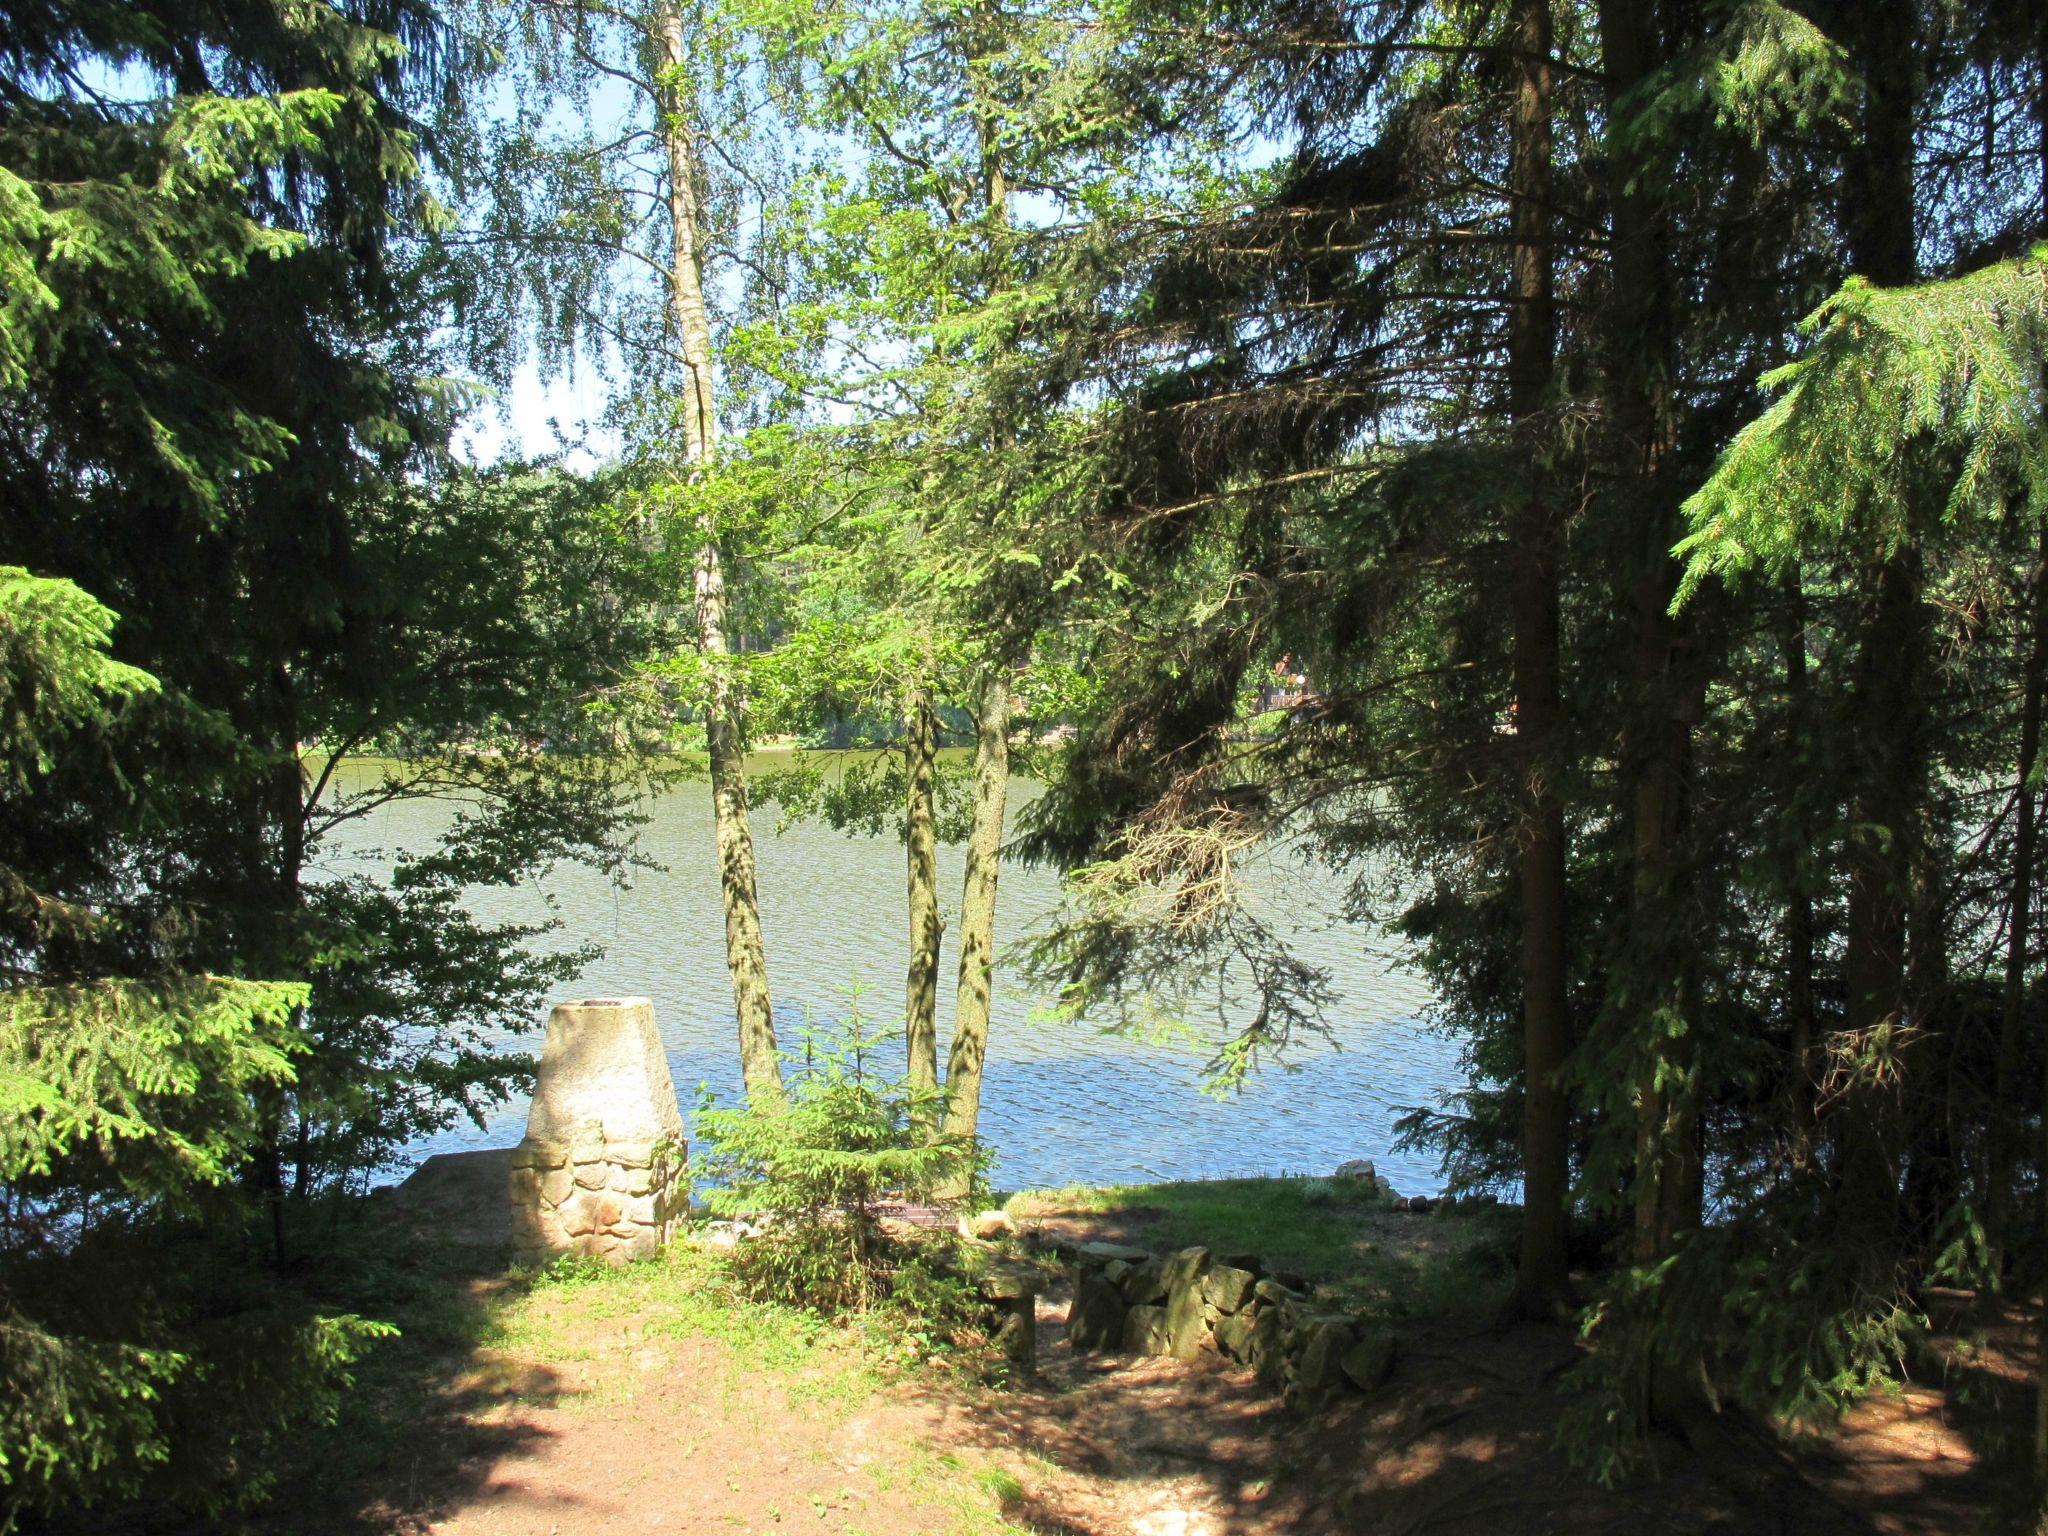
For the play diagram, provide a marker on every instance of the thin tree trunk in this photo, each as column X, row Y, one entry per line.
column 745, row 955
column 2018, row 926
column 2006, row 1105
column 978, row 921
column 1799, row 924
column 921, row 856
column 1543, row 1281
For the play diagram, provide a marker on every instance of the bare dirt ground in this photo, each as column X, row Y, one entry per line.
column 602, row 1410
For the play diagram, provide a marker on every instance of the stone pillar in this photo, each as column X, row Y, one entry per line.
column 602, row 1168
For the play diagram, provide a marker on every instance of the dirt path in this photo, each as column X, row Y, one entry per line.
column 639, row 1400
column 597, row 1417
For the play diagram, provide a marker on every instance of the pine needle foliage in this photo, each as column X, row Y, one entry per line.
column 812, row 1175
column 1892, row 378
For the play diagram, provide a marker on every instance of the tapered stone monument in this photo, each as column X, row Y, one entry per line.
column 602, row 1168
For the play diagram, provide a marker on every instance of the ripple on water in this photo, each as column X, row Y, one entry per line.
column 1062, row 1103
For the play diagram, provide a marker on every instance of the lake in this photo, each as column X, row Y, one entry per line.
column 1062, row 1103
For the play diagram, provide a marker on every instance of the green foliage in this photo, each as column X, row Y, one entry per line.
column 1898, row 387
column 54, row 641
column 1762, row 70
column 151, row 1082
column 812, row 1175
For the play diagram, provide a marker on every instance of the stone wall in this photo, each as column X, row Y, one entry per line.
column 602, row 1167
column 1189, row 1303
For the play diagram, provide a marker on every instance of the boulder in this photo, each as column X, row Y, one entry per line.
column 1357, row 1168
column 1097, row 1318
column 1145, row 1285
column 1186, row 1327
column 1319, row 1363
column 1227, row 1287
column 988, row 1225
column 1097, row 1254
column 1145, row 1331
column 1369, row 1362
column 1264, row 1347
column 1234, row 1335
column 1273, row 1293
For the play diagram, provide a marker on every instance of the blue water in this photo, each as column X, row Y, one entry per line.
column 1062, row 1102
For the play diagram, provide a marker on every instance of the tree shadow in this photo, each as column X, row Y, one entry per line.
column 1461, row 1441
column 432, row 1413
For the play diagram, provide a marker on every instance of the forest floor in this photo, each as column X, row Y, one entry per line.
column 651, row 1399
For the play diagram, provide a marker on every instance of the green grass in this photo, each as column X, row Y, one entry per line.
column 1338, row 1233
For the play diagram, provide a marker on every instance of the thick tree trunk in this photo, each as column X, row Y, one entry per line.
column 1543, row 1282
column 745, row 955
column 1885, row 800
column 978, row 921
column 1642, row 300
column 921, row 856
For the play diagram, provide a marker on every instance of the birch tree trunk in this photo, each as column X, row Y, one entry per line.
column 978, row 922
column 921, row 857
column 745, row 955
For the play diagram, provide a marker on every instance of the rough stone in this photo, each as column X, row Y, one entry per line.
column 988, row 1225
column 555, row 1186
column 1009, row 1282
column 1369, row 1362
column 1234, row 1335
column 594, row 1174
column 1145, row 1330
column 1097, row 1254
column 1319, row 1366
column 1250, row 1261
column 1115, row 1271
column 1186, row 1328
column 1146, row 1284
column 1271, row 1291
column 1264, row 1346
column 629, row 1179
column 1189, row 1264
column 1356, row 1168
column 1226, row 1287
column 1096, row 1320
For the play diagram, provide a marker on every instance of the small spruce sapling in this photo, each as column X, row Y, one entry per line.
column 814, row 1172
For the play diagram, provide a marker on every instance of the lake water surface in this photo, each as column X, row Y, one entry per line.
column 1062, row 1103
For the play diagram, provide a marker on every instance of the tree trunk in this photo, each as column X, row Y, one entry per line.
column 921, row 855
column 1885, row 730
column 2041, row 621
column 1799, row 924
column 1543, row 1282
column 1642, row 298
column 2018, row 926
column 745, row 954
column 978, row 922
